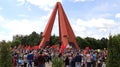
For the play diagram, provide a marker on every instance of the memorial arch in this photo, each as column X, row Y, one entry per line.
column 66, row 33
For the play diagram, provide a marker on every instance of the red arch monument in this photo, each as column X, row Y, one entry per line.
column 65, row 31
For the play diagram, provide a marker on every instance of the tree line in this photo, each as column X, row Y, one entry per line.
column 35, row 39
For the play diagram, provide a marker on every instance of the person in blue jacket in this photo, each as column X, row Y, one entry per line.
column 30, row 59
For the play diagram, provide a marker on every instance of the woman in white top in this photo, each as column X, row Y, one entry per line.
column 88, row 59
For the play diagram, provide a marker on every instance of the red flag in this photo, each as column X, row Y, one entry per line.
column 62, row 48
column 36, row 47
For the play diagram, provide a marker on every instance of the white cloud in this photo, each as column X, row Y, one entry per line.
column 1, row 18
column 96, row 27
column 4, row 36
column 97, row 23
column 44, row 4
column 21, row 27
column 24, row 26
column 117, row 15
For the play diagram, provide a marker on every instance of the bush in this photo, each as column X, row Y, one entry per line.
column 113, row 57
column 58, row 62
column 5, row 55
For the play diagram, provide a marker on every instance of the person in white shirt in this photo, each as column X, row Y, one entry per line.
column 88, row 59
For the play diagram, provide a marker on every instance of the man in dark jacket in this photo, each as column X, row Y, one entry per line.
column 78, row 60
column 41, row 60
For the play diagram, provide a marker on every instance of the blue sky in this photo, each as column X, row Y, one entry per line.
column 88, row 18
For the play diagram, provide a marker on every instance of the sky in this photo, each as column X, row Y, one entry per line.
column 88, row 18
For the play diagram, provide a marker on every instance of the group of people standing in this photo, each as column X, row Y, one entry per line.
column 71, row 57
column 91, row 58
column 30, row 58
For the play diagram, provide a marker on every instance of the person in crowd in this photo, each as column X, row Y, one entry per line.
column 36, row 55
column 30, row 57
column 20, row 62
column 94, row 59
column 14, row 59
column 82, row 59
column 88, row 59
column 72, row 60
column 78, row 60
column 41, row 60
column 25, row 59
column 66, row 61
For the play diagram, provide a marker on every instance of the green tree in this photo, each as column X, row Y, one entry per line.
column 53, row 40
column 113, row 58
column 103, row 42
column 10, row 43
column 15, row 43
column 82, row 42
column 33, row 39
column 5, row 55
column 24, row 40
column 92, row 42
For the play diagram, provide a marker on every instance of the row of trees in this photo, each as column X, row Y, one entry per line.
column 35, row 38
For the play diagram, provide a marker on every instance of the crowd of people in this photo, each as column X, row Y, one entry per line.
column 72, row 58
